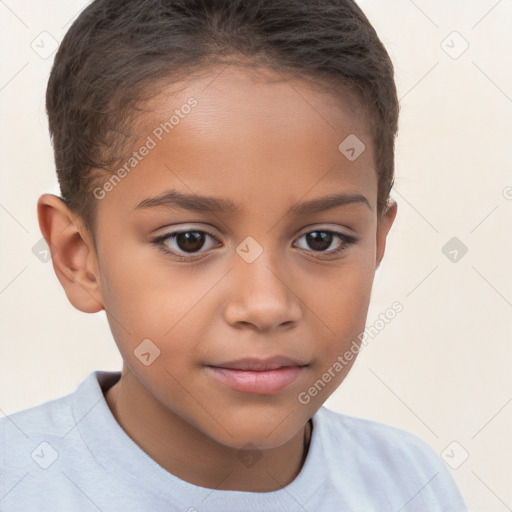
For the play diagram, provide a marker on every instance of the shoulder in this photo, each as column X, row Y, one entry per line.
column 37, row 418
column 57, row 415
column 35, row 432
column 372, row 434
column 42, row 451
column 399, row 465
column 379, row 443
column 22, row 432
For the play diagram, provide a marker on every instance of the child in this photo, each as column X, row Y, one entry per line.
column 225, row 169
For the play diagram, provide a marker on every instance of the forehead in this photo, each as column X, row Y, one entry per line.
column 259, row 96
column 248, row 134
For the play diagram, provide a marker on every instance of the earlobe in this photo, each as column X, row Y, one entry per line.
column 73, row 255
column 384, row 224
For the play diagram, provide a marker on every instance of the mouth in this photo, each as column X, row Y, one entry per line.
column 258, row 376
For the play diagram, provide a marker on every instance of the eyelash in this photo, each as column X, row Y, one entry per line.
column 347, row 240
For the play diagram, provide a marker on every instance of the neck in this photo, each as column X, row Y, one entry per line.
column 196, row 458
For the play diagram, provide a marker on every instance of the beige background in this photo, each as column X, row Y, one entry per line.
column 441, row 368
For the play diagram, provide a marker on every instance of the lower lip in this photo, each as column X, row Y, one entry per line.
column 268, row 382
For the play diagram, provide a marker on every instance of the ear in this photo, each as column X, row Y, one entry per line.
column 384, row 223
column 73, row 255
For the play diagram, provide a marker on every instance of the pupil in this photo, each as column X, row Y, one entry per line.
column 190, row 241
column 319, row 240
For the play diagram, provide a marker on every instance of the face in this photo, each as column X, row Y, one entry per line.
column 246, row 297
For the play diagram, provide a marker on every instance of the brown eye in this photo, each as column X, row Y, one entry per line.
column 190, row 241
column 326, row 242
column 319, row 240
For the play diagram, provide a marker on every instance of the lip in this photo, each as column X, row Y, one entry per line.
column 259, row 376
column 255, row 364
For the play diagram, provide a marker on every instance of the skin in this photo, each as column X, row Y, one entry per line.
column 266, row 145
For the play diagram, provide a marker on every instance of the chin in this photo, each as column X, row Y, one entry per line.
column 256, row 433
column 259, row 441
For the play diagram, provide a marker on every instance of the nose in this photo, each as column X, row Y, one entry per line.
column 261, row 295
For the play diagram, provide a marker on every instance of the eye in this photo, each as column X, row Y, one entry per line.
column 181, row 243
column 327, row 242
column 185, row 245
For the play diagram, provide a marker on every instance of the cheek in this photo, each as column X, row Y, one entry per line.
column 343, row 308
column 149, row 298
column 144, row 287
column 341, row 304
column 340, row 296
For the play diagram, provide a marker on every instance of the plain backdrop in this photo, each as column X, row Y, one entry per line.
column 441, row 368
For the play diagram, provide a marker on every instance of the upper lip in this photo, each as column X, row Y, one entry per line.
column 256, row 364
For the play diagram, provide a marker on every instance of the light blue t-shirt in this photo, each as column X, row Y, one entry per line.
column 70, row 454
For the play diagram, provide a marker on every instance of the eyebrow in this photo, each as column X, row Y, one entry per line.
column 194, row 202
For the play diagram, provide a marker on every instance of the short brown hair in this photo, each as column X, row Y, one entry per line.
column 117, row 50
